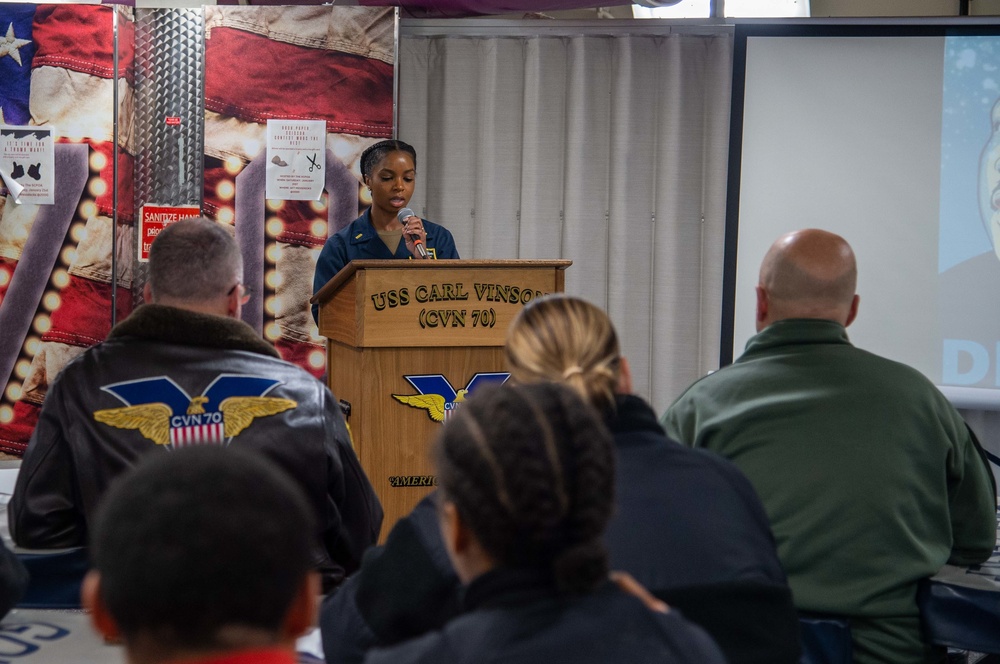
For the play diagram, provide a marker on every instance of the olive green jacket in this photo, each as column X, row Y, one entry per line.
column 870, row 478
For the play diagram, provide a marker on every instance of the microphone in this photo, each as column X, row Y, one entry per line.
column 403, row 215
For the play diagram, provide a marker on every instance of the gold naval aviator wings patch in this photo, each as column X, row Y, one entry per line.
column 153, row 419
column 151, row 404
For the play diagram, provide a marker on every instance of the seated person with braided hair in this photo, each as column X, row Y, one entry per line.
column 527, row 478
column 688, row 524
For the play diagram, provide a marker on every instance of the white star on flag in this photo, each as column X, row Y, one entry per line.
column 10, row 44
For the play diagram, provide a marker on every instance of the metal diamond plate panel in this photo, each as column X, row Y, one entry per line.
column 169, row 110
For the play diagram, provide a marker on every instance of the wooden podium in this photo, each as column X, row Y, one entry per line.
column 407, row 340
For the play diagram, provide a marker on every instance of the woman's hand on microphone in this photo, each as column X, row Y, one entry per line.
column 414, row 234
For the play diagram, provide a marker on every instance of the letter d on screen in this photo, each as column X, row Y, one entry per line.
column 954, row 351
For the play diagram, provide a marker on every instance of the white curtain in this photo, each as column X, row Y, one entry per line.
column 539, row 140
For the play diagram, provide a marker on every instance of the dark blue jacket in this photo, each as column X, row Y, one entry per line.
column 691, row 528
column 406, row 588
column 709, row 526
column 360, row 240
column 688, row 525
column 518, row 617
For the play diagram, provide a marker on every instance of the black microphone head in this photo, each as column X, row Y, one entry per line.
column 404, row 214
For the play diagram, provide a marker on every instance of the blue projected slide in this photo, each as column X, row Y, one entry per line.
column 969, row 232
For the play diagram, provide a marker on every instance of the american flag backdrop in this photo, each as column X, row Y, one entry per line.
column 55, row 260
column 56, row 69
column 306, row 63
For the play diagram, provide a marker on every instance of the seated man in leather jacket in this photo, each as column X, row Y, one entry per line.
column 182, row 370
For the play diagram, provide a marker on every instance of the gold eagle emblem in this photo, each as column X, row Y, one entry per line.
column 432, row 403
column 197, row 406
column 152, row 420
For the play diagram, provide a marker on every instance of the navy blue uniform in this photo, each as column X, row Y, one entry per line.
column 360, row 240
column 518, row 617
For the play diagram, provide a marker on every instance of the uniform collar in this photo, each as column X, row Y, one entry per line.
column 362, row 230
column 367, row 242
column 632, row 415
column 797, row 332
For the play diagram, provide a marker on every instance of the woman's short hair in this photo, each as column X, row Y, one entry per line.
column 566, row 339
column 530, row 470
column 377, row 152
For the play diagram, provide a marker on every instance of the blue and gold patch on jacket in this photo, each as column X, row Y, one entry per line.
column 165, row 414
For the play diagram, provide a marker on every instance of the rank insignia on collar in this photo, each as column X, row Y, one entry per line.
column 165, row 414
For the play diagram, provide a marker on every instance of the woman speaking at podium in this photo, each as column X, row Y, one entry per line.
column 388, row 229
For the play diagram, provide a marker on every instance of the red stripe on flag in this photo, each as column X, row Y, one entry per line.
column 77, row 37
column 126, row 49
column 14, row 435
column 83, row 317
column 197, row 434
column 298, row 222
column 353, row 94
column 300, row 353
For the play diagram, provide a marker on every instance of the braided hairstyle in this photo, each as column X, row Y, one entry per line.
column 569, row 340
column 530, row 470
column 376, row 152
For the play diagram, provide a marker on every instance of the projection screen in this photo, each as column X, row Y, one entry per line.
column 890, row 137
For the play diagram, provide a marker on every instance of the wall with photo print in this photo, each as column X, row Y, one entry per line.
column 180, row 121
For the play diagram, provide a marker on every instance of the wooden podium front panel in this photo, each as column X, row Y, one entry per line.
column 393, row 439
column 444, row 306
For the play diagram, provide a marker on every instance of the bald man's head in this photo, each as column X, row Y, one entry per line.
column 808, row 274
